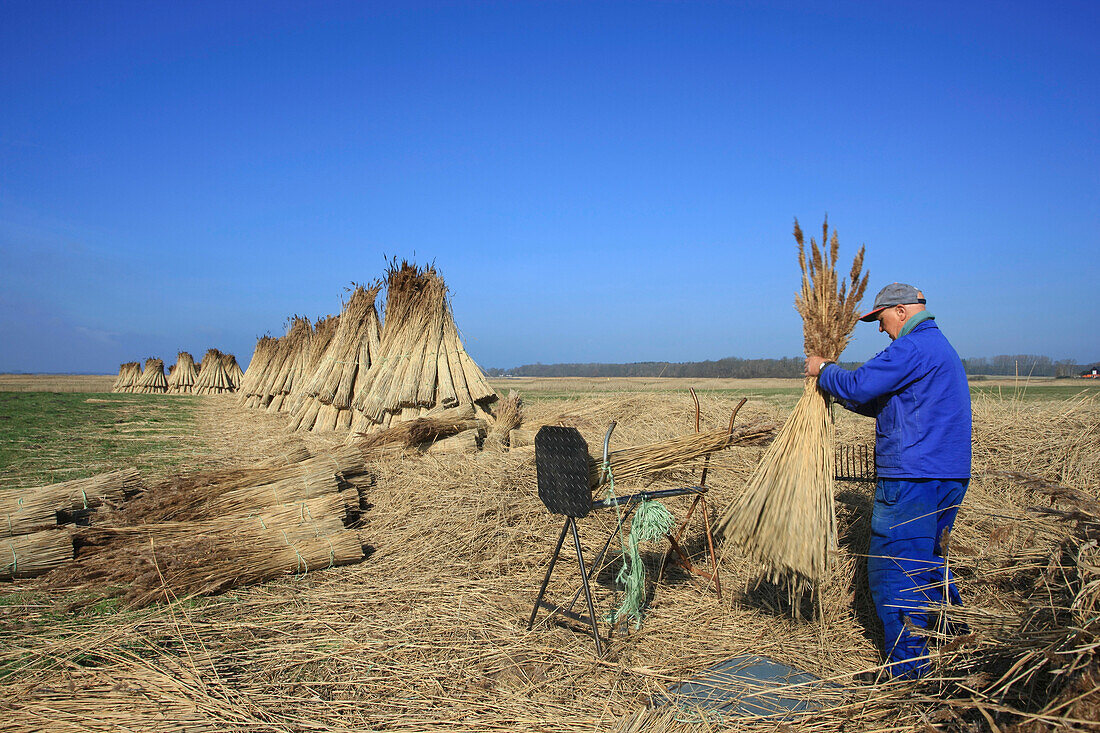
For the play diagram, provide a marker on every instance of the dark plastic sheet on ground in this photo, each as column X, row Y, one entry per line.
column 751, row 686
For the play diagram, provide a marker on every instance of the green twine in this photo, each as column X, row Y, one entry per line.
column 651, row 521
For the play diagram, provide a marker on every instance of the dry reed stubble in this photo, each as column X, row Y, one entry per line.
column 429, row 634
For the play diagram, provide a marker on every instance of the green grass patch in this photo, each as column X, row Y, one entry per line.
column 1034, row 392
column 47, row 437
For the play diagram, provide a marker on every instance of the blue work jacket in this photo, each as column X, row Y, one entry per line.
column 917, row 392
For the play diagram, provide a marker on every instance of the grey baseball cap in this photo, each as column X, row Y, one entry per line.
column 891, row 295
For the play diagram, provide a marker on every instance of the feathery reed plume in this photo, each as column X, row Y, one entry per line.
column 785, row 517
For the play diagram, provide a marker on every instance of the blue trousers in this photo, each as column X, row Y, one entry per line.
column 904, row 566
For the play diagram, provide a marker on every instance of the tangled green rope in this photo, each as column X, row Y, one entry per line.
column 652, row 521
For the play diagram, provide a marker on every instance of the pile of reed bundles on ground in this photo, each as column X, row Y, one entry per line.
column 785, row 518
column 201, row 533
column 128, row 375
column 181, row 380
column 152, row 379
column 213, row 378
column 35, row 523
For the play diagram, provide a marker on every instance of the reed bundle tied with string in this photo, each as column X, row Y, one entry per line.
column 202, row 558
column 92, row 539
column 785, row 517
column 352, row 349
column 189, row 568
column 152, row 379
column 28, row 555
column 128, row 374
column 182, row 378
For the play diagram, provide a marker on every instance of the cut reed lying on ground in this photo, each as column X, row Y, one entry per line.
column 785, row 517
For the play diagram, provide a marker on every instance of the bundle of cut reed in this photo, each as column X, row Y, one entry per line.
column 128, row 374
column 326, row 402
column 183, row 375
column 152, row 379
column 28, row 555
column 257, row 370
column 323, row 332
column 233, row 370
column 287, row 457
column 187, row 569
column 291, row 355
column 507, row 416
column 468, row 441
column 91, row 539
column 785, row 518
column 634, row 463
column 423, row 363
column 212, row 377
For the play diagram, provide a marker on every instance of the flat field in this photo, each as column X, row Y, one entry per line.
column 429, row 632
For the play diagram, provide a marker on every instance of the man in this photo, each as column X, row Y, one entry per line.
column 917, row 392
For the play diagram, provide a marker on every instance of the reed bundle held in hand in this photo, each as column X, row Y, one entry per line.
column 785, row 517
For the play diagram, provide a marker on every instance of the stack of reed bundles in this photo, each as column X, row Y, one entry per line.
column 152, row 379
column 203, row 533
column 212, row 378
column 250, row 385
column 181, row 380
column 354, row 348
column 785, row 519
column 423, row 363
column 128, row 374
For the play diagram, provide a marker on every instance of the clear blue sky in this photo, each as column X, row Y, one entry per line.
column 596, row 181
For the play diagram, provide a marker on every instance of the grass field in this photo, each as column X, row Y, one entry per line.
column 47, row 437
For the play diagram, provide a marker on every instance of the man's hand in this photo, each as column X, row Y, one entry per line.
column 814, row 364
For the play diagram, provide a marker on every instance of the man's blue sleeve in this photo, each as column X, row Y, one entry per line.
column 890, row 371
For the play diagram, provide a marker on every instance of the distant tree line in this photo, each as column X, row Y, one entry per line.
column 1005, row 365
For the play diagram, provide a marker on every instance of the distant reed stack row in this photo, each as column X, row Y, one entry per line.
column 216, row 374
column 361, row 373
